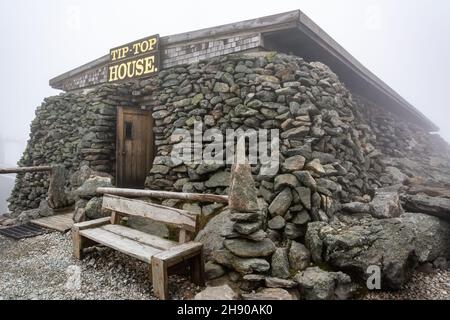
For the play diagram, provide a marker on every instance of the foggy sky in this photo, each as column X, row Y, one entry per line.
column 404, row 42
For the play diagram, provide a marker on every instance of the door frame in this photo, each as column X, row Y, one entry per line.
column 120, row 136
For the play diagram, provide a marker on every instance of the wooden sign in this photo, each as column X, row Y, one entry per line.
column 134, row 60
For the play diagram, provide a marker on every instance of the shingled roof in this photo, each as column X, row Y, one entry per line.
column 289, row 32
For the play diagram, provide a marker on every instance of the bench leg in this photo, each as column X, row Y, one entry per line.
column 150, row 273
column 78, row 244
column 197, row 269
column 160, row 278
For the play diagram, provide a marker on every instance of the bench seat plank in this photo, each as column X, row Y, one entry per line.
column 133, row 248
column 139, row 236
column 179, row 253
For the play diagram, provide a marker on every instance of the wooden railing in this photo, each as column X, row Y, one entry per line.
column 25, row 169
column 201, row 197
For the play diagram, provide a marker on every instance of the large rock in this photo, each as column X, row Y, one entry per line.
column 219, row 179
column 281, row 203
column 243, row 194
column 213, row 270
column 57, row 197
column 317, row 284
column 280, row 264
column 396, row 245
column 299, row 257
column 223, row 292
column 269, row 294
column 435, row 206
column 79, row 177
column 93, row 208
column 89, row 187
column 386, row 204
column 212, row 235
column 241, row 265
column 294, row 163
column 250, row 249
column 432, row 236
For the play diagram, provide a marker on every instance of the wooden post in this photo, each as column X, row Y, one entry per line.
column 160, row 278
column 77, row 243
column 197, row 269
column 184, row 236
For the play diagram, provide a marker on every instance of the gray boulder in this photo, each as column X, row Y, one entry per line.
column 269, row 294
column 223, row 292
column 212, row 235
column 93, row 209
column 386, row 204
column 241, row 265
column 281, row 203
column 250, row 249
column 89, row 188
column 299, row 257
column 317, row 284
column 243, row 194
column 280, row 264
column 353, row 243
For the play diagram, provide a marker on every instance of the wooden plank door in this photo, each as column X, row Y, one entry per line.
column 135, row 146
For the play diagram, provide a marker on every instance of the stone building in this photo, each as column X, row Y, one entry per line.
column 344, row 133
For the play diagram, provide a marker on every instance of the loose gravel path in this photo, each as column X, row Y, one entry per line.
column 43, row 268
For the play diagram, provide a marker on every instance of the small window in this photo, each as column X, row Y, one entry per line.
column 128, row 130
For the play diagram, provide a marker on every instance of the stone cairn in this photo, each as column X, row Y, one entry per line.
column 246, row 245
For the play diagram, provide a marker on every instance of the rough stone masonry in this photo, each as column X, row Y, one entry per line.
column 337, row 200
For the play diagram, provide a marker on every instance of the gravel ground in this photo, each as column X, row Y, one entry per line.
column 422, row 286
column 43, row 268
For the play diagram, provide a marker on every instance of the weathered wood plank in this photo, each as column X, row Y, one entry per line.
column 122, row 244
column 180, row 218
column 179, row 253
column 61, row 222
column 139, row 236
column 92, row 224
column 164, row 194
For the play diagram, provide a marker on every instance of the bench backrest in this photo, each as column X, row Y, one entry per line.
column 184, row 220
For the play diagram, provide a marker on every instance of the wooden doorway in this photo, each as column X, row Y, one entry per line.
column 135, row 146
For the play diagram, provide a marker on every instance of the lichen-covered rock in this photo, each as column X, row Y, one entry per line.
column 250, row 249
column 354, row 243
column 317, row 284
column 269, row 294
column 212, row 234
column 299, row 257
column 89, row 188
column 213, row 270
column 280, row 264
column 243, row 194
column 93, row 209
column 223, row 292
column 241, row 265
column 386, row 204
column 281, row 203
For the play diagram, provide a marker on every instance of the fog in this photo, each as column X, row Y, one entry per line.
column 404, row 42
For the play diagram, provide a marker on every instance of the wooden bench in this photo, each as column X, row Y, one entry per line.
column 160, row 253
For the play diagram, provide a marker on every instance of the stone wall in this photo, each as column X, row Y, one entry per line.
column 72, row 130
column 327, row 155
